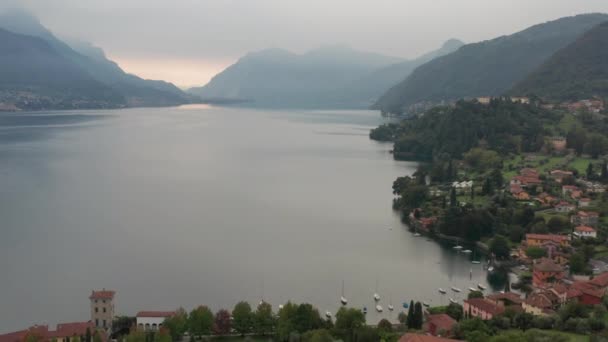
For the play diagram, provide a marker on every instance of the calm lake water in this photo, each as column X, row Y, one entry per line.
column 199, row 205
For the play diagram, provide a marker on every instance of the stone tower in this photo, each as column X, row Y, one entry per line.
column 102, row 308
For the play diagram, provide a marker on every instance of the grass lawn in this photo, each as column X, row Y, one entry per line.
column 580, row 164
column 478, row 200
column 240, row 339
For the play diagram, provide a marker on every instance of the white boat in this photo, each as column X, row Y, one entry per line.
column 343, row 299
column 280, row 306
column 453, row 301
column 481, row 287
column 458, row 247
column 376, row 295
column 390, row 307
column 379, row 308
column 417, row 234
column 426, row 304
column 442, row 291
column 472, row 289
column 491, row 269
column 455, row 289
column 328, row 314
column 467, row 251
column 476, row 262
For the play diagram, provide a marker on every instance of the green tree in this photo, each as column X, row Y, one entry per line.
column 589, row 173
column 263, row 319
column 410, row 316
column 162, row 336
column 200, row 321
column 454, row 310
column 500, row 247
column 453, row 200
column 418, row 316
column 87, row 335
column 558, row 224
column 349, row 320
column 97, row 337
column 367, row 334
column 475, row 294
column 177, row 324
column 242, row 318
column 524, row 320
column 577, row 263
column 535, row 252
column 222, row 322
column 286, row 321
column 385, row 325
column 319, row 335
column 307, row 318
column 487, row 188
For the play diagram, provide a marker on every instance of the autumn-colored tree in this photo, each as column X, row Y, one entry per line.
column 222, row 324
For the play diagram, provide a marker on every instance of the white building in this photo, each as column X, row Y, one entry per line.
column 152, row 320
column 585, row 232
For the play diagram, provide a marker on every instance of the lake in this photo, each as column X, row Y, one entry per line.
column 202, row 205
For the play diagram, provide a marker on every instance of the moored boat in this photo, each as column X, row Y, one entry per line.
column 442, row 291
column 455, row 289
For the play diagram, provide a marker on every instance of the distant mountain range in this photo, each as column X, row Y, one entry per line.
column 488, row 68
column 328, row 77
column 43, row 72
column 578, row 71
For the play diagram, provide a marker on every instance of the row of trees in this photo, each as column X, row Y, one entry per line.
column 292, row 319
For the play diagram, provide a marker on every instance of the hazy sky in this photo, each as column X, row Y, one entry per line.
column 188, row 41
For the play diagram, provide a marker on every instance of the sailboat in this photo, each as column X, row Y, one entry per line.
column 476, row 262
column 481, row 287
column 342, row 298
column 379, row 308
column 376, row 295
column 453, row 301
column 457, row 247
column 328, row 314
column 426, row 304
column 390, row 304
column 442, row 291
column 467, row 251
column 455, row 289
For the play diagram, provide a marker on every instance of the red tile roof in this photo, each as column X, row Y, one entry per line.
column 587, row 213
column 510, row 296
column 539, row 300
column 441, row 321
column 155, row 313
column 547, row 265
column 584, row 229
column 553, row 237
column 424, row 338
column 103, row 294
column 600, row 280
column 71, row 329
column 485, row 305
column 19, row 336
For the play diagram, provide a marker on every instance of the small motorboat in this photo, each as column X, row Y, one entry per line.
column 376, row 297
column 417, row 234
column 455, row 289
column 406, row 305
column 365, row 309
column 457, row 247
column 476, row 262
column 491, row 269
column 442, row 291
column 453, row 301
column 481, row 287
column 472, row 289
column 328, row 314
column 379, row 308
column 390, row 307
column 426, row 304
column 467, row 251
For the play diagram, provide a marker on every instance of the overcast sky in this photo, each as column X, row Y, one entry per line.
column 188, row 41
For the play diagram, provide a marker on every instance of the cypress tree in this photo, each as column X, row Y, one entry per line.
column 410, row 316
column 590, row 171
column 453, row 201
column 418, row 316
